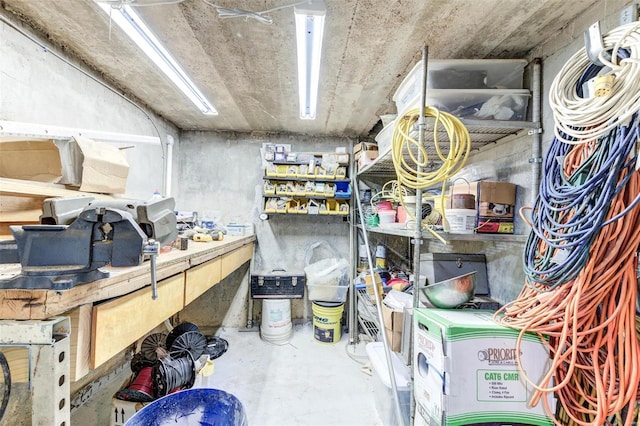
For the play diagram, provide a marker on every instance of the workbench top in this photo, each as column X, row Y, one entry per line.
column 41, row 304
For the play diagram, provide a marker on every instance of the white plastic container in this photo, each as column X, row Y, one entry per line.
column 488, row 104
column 384, row 138
column 461, row 221
column 276, row 326
column 327, row 280
column 461, row 74
column 383, row 391
column 387, row 216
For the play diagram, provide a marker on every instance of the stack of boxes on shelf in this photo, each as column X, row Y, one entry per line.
column 494, row 205
column 365, row 153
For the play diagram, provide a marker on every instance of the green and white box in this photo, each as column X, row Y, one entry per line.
column 466, row 371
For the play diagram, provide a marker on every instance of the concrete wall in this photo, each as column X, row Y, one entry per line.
column 36, row 86
column 221, row 175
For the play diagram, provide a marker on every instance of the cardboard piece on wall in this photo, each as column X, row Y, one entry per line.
column 104, row 167
column 28, row 159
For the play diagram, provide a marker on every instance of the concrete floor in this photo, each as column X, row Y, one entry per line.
column 303, row 382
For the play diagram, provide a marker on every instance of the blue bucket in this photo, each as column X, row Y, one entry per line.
column 211, row 407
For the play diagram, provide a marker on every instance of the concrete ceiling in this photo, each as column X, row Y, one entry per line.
column 248, row 68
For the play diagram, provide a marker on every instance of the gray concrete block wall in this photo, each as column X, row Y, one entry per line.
column 221, row 174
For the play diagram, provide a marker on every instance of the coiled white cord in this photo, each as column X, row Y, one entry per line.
column 580, row 120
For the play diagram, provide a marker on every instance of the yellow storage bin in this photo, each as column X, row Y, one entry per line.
column 311, row 171
column 329, row 190
column 270, row 205
column 269, row 187
column 284, row 188
column 303, row 170
column 303, row 207
column 314, row 207
column 300, row 189
column 323, row 173
column 309, row 189
column 292, row 206
column 342, row 208
column 271, row 170
column 341, row 172
column 281, row 205
column 324, row 207
column 292, row 171
column 281, row 170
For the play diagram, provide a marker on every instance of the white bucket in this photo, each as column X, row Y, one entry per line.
column 276, row 324
column 461, row 221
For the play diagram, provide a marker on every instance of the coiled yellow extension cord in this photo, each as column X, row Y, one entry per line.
column 409, row 155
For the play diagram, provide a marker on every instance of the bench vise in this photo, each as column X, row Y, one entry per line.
column 60, row 256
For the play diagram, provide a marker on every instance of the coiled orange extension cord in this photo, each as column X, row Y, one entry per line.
column 590, row 323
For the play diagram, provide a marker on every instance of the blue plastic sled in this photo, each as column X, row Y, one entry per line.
column 197, row 407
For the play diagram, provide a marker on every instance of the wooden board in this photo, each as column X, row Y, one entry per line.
column 200, row 279
column 232, row 261
column 18, row 359
column 120, row 322
column 80, row 341
column 40, row 189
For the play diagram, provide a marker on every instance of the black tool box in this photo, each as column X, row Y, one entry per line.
column 277, row 284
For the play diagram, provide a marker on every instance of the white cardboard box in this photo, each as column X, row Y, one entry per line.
column 465, row 369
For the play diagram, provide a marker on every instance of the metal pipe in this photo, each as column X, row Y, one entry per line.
column 417, row 235
column 353, row 246
column 536, row 149
column 378, row 298
column 152, row 248
column 168, row 167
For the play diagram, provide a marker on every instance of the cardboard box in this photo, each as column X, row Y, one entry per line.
column 26, row 159
column 122, row 411
column 465, row 369
column 495, row 205
column 393, row 321
column 365, row 146
column 364, row 158
column 93, row 166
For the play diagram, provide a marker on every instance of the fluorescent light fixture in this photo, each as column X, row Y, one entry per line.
column 309, row 32
column 129, row 21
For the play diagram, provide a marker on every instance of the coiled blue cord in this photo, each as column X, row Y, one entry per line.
column 570, row 210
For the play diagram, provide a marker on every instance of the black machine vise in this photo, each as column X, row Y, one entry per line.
column 57, row 256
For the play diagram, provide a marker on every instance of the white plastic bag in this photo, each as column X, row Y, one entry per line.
column 326, row 273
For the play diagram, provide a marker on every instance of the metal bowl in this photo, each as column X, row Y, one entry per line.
column 453, row 292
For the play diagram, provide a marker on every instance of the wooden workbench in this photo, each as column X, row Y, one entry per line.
column 110, row 314
column 41, row 304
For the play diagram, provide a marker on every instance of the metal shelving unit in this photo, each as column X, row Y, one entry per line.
column 483, row 132
column 407, row 232
column 367, row 316
column 381, row 170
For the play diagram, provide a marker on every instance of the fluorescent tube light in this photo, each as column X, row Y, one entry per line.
column 309, row 32
column 129, row 21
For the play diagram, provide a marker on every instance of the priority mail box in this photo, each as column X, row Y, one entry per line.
column 466, row 370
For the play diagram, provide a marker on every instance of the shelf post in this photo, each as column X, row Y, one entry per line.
column 49, row 360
